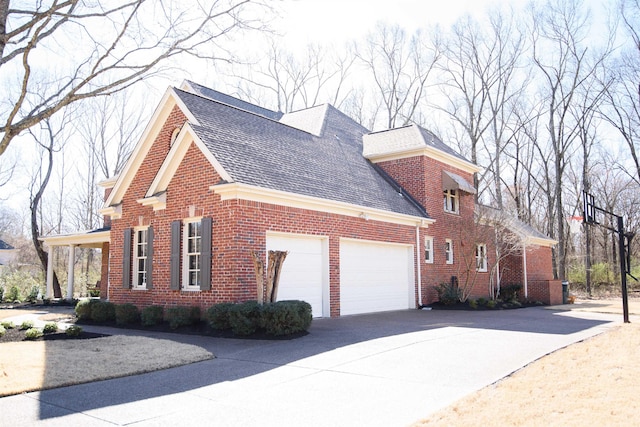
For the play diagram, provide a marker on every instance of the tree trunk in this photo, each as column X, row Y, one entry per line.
column 4, row 13
column 258, row 265
column 276, row 258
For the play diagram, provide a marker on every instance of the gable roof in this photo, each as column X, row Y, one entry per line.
column 261, row 152
column 412, row 140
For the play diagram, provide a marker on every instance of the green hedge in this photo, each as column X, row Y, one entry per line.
column 182, row 316
column 152, row 315
column 103, row 311
column 127, row 314
column 218, row 316
column 287, row 317
column 83, row 308
column 245, row 318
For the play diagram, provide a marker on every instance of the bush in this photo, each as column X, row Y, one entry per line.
column 32, row 334
column 286, row 317
column 482, row 301
column 83, row 308
column 127, row 314
column 473, row 303
column 103, row 311
column 245, row 318
column 74, row 331
column 32, row 296
column 218, row 316
column 50, row 328
column 182, row 316
column 13, row 295
column 1, row 293
column 2, row 331
column 7, row 324
column 27, row 324
column 491, row 304
column 510, row 293
column 152, row 315
column 448, row 294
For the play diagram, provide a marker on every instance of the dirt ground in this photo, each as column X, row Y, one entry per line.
column 593, row 382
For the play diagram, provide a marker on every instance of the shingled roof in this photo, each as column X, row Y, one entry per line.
column 5, row 246
column 260, row 151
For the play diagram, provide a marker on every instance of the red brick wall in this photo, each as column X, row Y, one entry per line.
column 421, row 177
column 540, row 284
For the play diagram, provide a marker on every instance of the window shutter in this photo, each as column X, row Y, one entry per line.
column 205, row 254
column 176, row 228
column 149, row 262
column 126, row 259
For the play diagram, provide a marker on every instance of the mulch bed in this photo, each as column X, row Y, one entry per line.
column 500, row 305
column 17, row 335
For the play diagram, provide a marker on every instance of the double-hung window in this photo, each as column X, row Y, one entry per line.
column 140, row 256
column 481, row 257
column 192, row 254
column 451, row 201
column 448, row 251
column 428, row 249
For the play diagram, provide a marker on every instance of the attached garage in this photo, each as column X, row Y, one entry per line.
column 305, row 272
column 375, row 276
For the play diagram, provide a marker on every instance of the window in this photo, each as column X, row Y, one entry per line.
column 192, row 250
column 428, row 249
column 481, row 257
column 451, row 204
column 448, row 251
column 140, row 258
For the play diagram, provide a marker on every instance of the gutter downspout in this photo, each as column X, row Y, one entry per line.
column 418, row 266
column 524, row 265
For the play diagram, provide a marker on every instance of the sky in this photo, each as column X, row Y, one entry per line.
column 326, row 22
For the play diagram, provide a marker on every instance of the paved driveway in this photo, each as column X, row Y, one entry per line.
column 387, row 369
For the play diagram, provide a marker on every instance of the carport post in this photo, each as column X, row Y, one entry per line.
column 72, row 259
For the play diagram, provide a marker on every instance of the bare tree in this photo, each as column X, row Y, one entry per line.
column 400, row 68
column 105, row 49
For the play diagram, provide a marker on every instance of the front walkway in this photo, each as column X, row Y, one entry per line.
column 383, row 369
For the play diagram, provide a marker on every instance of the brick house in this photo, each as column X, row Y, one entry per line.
column 371, row 221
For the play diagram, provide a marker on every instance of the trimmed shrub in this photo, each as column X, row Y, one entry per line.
column 103, row 311
column 1, row 293
column 286, row 317
column 448, row 294
column 32, row 296
column 473, row 303
column 27, row 324
column 510, row 293
column 83, row 308
column 182, row 316
column 50, row 328
column 491, row 304
column 74, row 331
column 127, row 314
column 32, row 334
column 2, row 331
column 245, row 318
column 7, row 324
column 482, row 301
column 218, row 316
column 152, row 315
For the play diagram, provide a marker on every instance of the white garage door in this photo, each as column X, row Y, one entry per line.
column 375, row 277
column 304, row 273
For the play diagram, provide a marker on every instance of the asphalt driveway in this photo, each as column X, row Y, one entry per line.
column 387, row 369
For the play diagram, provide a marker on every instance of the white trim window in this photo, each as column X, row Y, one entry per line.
column 448, row 251
column 481, row 257
column 428, row 249
column 451, row 201
column 192, row 249
column 140, row 245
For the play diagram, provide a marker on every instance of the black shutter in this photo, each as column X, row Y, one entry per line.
column 205, row 254
column 149, row 261
column 176, row 228
column 126, row 259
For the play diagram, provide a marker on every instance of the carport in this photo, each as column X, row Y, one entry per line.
column 97, row 239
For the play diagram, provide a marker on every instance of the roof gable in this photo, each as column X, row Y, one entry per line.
column 157, row 121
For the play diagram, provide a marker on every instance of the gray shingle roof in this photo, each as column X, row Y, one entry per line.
column 262, row 152
column 431, row 139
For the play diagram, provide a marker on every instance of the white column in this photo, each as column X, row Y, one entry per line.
column 70, row 277
column 49, row 291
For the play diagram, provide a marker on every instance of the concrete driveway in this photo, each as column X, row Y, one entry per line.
column 387, row 369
